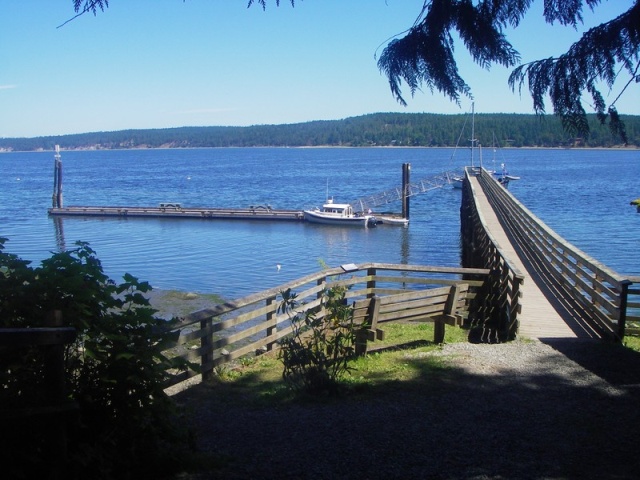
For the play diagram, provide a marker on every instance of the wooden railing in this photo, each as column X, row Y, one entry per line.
column 595, row 293
column 500, row 307
column 218, row 335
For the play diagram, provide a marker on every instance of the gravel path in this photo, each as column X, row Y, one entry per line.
column 521, row 410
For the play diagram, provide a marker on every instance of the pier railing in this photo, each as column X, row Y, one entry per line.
column 500, row 307
column 588, row 289
column 212, row 337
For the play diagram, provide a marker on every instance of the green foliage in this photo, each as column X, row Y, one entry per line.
column 378, row 129
column 316, row 354
column 425, row 56
column 115, row 369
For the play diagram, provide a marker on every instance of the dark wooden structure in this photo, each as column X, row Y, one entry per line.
column 223, row 333
column 44, row 417
column 566, row 292
column 442, row 306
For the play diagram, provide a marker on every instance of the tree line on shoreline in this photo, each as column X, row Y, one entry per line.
column 377, row 129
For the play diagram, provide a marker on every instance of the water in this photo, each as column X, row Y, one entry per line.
column 583, row 195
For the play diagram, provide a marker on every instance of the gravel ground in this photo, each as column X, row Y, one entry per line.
column 521, row 410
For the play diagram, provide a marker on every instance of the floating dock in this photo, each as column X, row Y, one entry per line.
column 177, row 211
column 250, row 213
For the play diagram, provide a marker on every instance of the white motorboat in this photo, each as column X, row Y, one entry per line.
column 339, row 214
column 392, row 220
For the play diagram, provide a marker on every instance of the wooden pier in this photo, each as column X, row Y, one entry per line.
column 177, row 211
column 559, row 291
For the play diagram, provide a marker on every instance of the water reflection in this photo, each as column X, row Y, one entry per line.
column 58, row 225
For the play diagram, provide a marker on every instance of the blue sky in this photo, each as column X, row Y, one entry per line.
column 169, row 63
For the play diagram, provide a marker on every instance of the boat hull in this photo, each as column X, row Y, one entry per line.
column 399, row 221
column 328, row 219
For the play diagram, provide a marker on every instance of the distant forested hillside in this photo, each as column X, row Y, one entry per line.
column 379, row 129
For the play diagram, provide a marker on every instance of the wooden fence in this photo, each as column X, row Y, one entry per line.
column 594, row 292
column 500, row 308
column 218, row 335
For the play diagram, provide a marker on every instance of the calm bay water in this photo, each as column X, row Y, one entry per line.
column 583, row 195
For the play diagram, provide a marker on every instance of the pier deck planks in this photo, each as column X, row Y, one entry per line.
column 539, row 319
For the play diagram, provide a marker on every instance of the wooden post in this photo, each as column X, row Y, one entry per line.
column 271, row 330
column 369, row 330
column 57, row 180
column 406, row 169
column 449, row 312
column 205, row 344
column 55, row 394
column 622, row 320
column 59, row 196
column 54, row 362
column 371, row 284
column 54, row 195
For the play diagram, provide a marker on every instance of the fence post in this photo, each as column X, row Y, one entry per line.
column 55, row 393
column 271, row 330
column 514, row 313
column 371, row 284
column 622, row 320
column 206, row 342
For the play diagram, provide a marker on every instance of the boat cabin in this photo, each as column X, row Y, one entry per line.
column 342, row 209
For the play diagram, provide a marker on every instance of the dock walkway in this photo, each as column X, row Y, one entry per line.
column 539, row 318
column 175, row 211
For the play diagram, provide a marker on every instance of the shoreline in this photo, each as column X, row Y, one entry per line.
column 96, row 148
column 175, row 303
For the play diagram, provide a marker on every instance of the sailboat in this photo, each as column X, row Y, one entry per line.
column 456, row 181
column 503, row 177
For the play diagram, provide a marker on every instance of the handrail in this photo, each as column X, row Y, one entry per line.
column 595, row 291
column 214, row 336
column 499, row 315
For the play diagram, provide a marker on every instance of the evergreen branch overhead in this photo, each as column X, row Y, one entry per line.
column 425, row 55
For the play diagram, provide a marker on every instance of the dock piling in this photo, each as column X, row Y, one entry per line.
column 56, row 200
column 406, row 180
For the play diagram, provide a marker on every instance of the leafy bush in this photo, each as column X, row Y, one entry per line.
column 115, row 370
column 316, row 354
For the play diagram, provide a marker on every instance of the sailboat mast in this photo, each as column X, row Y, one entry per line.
column 473, row 131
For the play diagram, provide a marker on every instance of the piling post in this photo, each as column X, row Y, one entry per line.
column 57, row 180
column 406, row 174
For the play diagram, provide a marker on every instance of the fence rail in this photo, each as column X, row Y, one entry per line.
column 596, row 293
column 500, row 309
column 218, row 335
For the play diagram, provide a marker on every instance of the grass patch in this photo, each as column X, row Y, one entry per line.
column 403, row 356
column 632, row 342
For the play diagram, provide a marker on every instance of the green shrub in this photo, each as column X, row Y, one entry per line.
column 316, row 354
column 115, row 371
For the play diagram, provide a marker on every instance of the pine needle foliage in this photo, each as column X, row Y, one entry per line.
column 425, row 56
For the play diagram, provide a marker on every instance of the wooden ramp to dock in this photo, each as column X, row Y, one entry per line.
column 539, row 318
